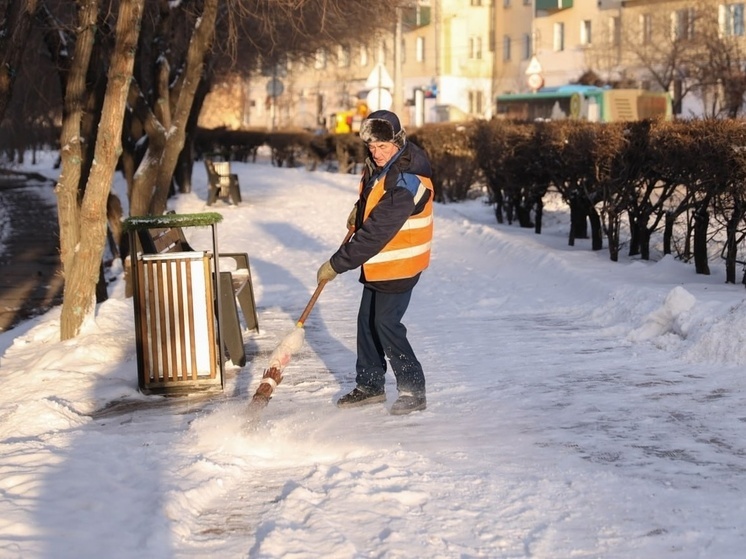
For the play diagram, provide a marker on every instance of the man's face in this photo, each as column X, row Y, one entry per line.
column 382, row 152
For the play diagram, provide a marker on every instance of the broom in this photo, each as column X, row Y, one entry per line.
column 290, row 344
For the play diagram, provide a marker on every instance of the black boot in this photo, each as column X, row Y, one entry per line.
column 407, row 403
column 360, row 397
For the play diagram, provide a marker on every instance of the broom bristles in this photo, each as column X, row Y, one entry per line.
column 292, row 343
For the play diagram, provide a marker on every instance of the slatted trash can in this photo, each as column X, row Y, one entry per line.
column 177, row 322
column 177, row 326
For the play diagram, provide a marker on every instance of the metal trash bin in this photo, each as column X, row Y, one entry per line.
column 176, row 323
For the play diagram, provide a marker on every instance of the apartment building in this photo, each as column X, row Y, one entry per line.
column 647, row 44
column 560, row 36
column 435, row 65
column 695, row 49
column 516, row 43
column 447, row 60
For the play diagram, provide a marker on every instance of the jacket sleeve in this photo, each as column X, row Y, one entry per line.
column 384, row 221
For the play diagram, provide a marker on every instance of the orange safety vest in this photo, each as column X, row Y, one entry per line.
column 408, row 253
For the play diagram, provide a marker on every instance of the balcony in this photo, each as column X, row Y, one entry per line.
column 552, row 5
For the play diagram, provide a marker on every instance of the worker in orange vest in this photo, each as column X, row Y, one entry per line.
column 393, row 223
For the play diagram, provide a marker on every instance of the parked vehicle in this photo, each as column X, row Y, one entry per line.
column 582, row 102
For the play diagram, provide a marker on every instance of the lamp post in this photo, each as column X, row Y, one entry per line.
column 398, row 105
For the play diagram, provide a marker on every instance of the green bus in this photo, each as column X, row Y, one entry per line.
column 583, row 102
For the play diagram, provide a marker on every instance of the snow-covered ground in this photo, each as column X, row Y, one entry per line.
column 577, row 408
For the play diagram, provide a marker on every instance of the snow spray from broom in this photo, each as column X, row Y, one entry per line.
column 283, row 353
column 292, row 343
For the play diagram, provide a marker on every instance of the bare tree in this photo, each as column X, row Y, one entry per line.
column 249, row 31
column 83, row 222
column 694, row 48
column 716, row 64
column 14, row 30
column 156, row 61
column 165, row 122
column 659, row 50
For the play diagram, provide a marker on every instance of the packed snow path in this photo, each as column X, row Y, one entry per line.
column 576, row 408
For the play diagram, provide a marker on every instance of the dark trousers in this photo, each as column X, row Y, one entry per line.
column 381, row 335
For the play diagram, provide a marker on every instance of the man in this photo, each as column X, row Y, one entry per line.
column 393, row 223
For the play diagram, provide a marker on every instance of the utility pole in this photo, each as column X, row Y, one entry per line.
column 398, row 98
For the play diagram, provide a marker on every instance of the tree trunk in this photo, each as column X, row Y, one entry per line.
column 687, row 252
column 731, row 244
column 539, row 215
column 643, row 236
column 183, row 172
column 71, row 153
column 523, row 213
column 634, row 239
column 82, row 271
column 597, row 234
column 578, row 217
column 14, row 30
column 614, row 224
column 701, row 223
column 668, row 232
column 509, row 209
column 199, row 46
column 497, row 198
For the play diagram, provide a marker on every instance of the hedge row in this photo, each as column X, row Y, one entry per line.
column 287, row 148
column 682, row 179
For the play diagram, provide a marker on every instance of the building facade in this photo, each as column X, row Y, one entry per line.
column 447, row 60
column 656, row 45
column 435, row 65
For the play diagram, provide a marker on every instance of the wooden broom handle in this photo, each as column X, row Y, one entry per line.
column 319, row 288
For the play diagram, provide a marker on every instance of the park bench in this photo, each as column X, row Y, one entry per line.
column 179, row 303
column 221, row 182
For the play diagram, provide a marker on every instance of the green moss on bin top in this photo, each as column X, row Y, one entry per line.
column 140, row 222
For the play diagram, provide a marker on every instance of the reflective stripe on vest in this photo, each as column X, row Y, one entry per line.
column 408, row 253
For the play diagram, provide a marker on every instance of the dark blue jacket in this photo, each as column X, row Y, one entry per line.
column 385, row 220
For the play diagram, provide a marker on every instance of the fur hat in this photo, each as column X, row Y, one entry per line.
column 382, row 126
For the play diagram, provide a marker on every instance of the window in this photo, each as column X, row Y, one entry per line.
column 585, row 32
column 476, row 102
column 476, row 2
column 475, row 48
column 646, row 29
column 382, row 52
column 320, row 61
column 363, row 55
column 731, row 20
column 506, row 48
column 403, row 51
column 343, row 57
column 506, row 3
column 420, row 49
column 415, row 16
column 682, row 24
column 559, row 37
column 526, row 54
column 615, row 25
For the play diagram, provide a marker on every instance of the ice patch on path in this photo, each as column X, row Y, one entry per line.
column 668, row 319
